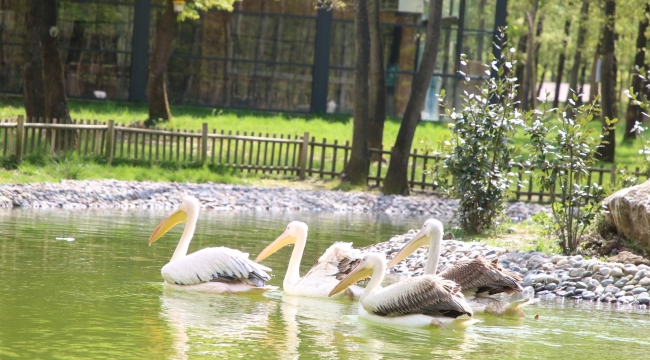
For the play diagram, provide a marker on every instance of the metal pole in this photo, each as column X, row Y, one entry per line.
column 140, row 51
column 321, row 68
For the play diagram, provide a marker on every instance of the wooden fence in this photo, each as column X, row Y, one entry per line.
column 290, row 155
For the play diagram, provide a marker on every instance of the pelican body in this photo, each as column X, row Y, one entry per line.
column 333, row 265
column 478, row 279
column 215, row 270
column 424, row 301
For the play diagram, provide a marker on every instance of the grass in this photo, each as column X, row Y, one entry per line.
column 528, row 235
column 41, row 168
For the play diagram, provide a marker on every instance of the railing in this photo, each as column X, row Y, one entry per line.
column 290, row 155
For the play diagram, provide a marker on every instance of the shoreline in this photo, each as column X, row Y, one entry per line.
column 102, row 194
column 570, row 277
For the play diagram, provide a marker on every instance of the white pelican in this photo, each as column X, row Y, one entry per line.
column 423, row 301
column 215, row 270
column 338, row 260
column 477, row 278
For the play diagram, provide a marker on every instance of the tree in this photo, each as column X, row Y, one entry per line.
column 33, row 91
column 166, row 30
column 633, row 113
column 56, row 104
column 577, row 58
column 356, row 170
column 376, row 83
column 528, row 85
column 396, row 181
column 560, row 65
column 608, row 80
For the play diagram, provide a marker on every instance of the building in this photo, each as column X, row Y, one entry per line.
column 277, row 55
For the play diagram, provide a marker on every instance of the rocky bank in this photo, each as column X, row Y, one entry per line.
column 72, row 194
column 567, row 276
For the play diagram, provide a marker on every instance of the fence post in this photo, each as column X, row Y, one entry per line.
column 110, row 139
column 53, row 139
column 303, row 156
column 204, row 143
column 20, row 129
column 612, row 175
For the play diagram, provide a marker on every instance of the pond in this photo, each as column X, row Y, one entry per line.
column 101, row 296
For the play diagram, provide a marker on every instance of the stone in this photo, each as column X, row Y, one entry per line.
column 645, row 282
column 569, row 294
column 621, row 282
column 581, row 285
column 607, row 282
column 562, row 262
column 612, row 289
column 550, row 287
column 576, row 273
column 619, row 294
column 643, row 298
column 604, row 271
column 587, row 274
column 588, row 295
column 639, row 290
column 628, row 213
column 511, row 230
column 639, row 275
column 627, row 288
column 617, row 272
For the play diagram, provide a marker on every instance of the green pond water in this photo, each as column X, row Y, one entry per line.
column 101, row 296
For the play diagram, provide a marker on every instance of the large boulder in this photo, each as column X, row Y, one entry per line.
column 629, row 212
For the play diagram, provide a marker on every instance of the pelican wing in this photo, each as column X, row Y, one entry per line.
column 215, row 264
column 337, row 261
column 484, row 276
column 426, row 294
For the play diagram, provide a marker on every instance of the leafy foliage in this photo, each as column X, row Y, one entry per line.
column 479, row 152
column 193, row 7
column 561, row 153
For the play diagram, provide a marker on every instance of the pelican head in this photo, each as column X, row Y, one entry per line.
column 431, row 233
column 294, row 231
column 189, row 205
column 365, row 268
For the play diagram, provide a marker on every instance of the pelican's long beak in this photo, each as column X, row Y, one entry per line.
column 420, row 239
column 282, row 241
column 360, row 272
column 170, row 221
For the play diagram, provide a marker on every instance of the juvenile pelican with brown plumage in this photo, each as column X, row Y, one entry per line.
column 477, row 278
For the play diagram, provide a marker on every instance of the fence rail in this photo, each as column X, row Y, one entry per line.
column 290, row 155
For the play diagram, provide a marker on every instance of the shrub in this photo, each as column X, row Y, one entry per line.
column 479, row 152
column 561, row 150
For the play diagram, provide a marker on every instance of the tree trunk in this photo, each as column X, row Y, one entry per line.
column 356, row 170
column 33, row 91
column 608, row 79
column 633, row 113
column 593, row 81
column 577, row 58
column 376, row 83
column 157, row 87
column 520, row 68
column 396, row 181
column 560, row 65
column 529, row 75
column 195, row 63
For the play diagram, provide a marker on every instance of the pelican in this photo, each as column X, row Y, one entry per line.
column 477, row 278
column 214, row 270
column 423, row 301
column 338, row 260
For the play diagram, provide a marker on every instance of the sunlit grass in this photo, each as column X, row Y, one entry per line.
column 72, row 167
